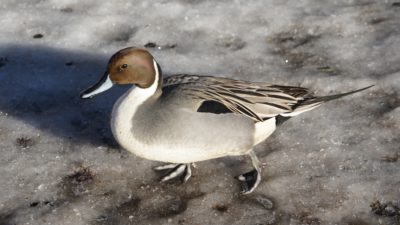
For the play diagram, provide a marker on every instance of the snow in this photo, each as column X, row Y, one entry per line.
column 59, row 163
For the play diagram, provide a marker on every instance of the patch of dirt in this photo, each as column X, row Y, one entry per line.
column 67, row 10
column 392, row 158
column 232, row 43
column 220, row 207
column 24, row 142
column 155, row 45
column 38, row 36
column 385, row 209
column 306, row 219
column 78, row 182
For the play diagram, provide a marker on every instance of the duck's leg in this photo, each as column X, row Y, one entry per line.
column 175, row 170
column 250, row 180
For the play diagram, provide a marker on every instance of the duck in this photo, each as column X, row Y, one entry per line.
column 182, row 119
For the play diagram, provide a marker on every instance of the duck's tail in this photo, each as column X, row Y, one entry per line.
column 313, row 102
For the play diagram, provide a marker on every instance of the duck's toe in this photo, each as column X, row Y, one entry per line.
column 166, row 167
column 175, row 170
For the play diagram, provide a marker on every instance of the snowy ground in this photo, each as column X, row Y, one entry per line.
column 60, row 165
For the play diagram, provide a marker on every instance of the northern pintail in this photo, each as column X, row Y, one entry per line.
column 182, row 119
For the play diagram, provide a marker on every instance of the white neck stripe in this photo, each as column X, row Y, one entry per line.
column 157, row 73
column 146, row 93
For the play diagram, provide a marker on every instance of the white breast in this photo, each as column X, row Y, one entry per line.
column 124, row 110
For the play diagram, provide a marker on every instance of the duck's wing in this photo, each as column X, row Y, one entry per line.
column 258, row 101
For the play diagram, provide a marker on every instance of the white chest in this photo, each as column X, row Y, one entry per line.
column 121, row 120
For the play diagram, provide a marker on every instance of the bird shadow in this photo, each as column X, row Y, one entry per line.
column 40, row 86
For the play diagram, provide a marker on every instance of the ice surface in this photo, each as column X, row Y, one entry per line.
column 60, row 165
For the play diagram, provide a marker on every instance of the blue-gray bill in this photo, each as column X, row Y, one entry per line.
column 102, row 85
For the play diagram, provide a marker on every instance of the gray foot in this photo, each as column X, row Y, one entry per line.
column 250, row 180
column 174, row 171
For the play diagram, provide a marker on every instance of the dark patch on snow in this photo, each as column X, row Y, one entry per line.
column 264, row 201
column 257, row 201
column 352, row 221
column 24, row 142
column 3, row 61
column 7, row 218
column 34, row 204
column 294, row 38
column 396, row 4
column 38, row 36
column 69, row 63
column 150, row 45
column 306, row 219
column 120, row 34
column 81, row 174
column 172, row 205
column 78, row 182
column 45, row 203
column 378, row 20
column 67, row 10
column 328, row 70
column 231, row 43
column 385, row 209
column 220, row 207
column 123, row 36
column 159, row 47
column 391, row 158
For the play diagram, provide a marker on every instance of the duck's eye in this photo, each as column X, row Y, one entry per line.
column 123, row 66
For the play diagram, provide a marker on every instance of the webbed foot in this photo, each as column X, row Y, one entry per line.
column 250, row 180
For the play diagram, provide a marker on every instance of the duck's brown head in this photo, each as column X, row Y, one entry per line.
column 127, row 66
